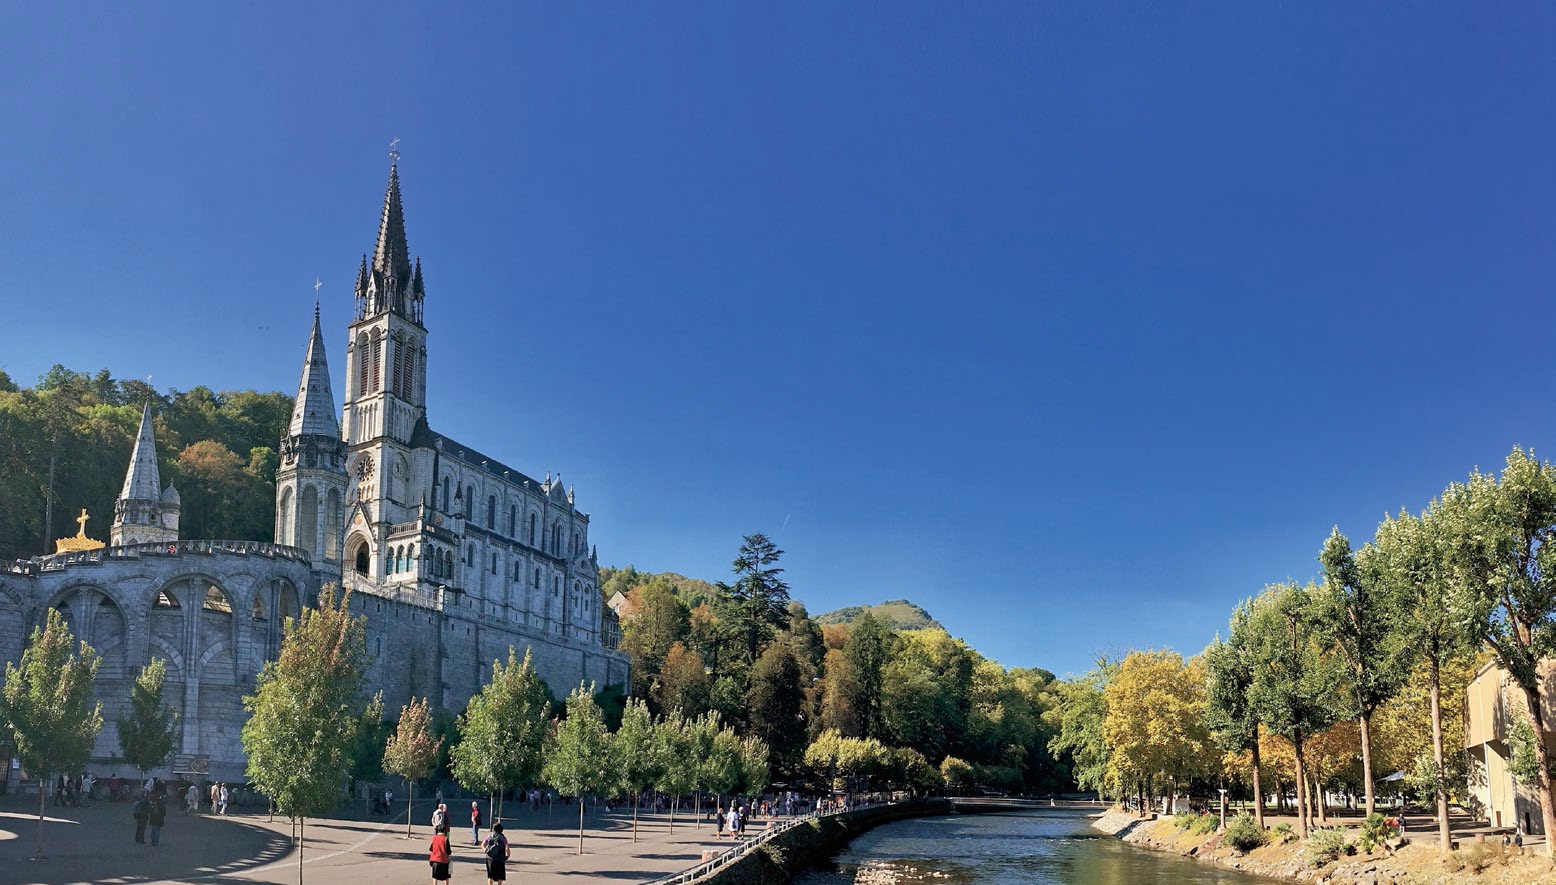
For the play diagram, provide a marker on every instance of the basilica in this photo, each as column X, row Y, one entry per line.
column 451, row 556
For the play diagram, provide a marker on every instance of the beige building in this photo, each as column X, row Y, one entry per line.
column 1492, row 703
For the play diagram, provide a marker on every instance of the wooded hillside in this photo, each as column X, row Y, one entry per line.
column 65, row 444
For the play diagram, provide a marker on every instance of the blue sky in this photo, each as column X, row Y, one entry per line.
column 1074, row 323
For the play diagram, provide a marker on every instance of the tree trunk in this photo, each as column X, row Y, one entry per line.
column 37, row 853
column 1435, row 685
column 1319, row 799
column 675, row 800
column 635, row 817
column 580, row 824
column 1365, row 722
column 1302, row 810
column 301, row 823
column 410, row 802
column 48, row 502
column 697, row 810
column 491, row 810
column 1547, row 811
column 1258, row 788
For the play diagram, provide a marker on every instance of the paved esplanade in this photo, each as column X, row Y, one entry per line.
column 97, row 845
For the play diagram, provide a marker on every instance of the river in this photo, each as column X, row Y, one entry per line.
column 1040, row 846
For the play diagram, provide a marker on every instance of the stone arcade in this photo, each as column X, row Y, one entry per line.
column 451, row 555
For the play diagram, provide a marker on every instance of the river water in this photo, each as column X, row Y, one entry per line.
column 1040, row 846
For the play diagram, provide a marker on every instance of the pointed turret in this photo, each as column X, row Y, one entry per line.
column 143, row 513
column 314, row 412
column 143, row 482
column 311, row 479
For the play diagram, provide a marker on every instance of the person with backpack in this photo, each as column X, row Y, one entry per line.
column 440, row 855
column 157, row 816
column 141, row 810
column 497, row 851
column 475, row 823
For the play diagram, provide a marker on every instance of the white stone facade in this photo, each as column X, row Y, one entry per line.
column 452, row 557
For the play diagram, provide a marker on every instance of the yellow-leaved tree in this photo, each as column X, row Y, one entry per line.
column 1155, row 723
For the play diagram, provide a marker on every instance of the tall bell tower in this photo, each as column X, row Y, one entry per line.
column 386, row 389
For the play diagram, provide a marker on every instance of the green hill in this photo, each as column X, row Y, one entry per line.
column 898, row 614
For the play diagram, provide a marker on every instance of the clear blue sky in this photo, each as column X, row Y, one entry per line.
column 1073, row 324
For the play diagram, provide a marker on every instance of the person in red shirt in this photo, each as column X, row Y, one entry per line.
column 440, row 856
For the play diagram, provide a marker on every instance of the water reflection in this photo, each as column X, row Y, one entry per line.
column 1042, row 846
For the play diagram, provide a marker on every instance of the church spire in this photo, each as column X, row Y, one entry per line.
column 314, row 412
column 390, row 283
column 392, row 256
column 142, row 482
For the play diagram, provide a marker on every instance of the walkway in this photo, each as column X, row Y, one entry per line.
column 96, row 845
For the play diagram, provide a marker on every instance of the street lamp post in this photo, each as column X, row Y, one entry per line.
column 1223, row 808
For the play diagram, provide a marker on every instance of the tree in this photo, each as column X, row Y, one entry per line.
column 677, row 767
column 683, row 682
column 638, row 763
column 926, row 688
column 578, row 758
column 1358, row 615
column 1154, row 726
column 956, row 773
column 47, row 705
column 1079, row 718
column 758, row 600
column 755, row 771
column 1296, row 684
column 1498, row 535
column 1413, row 555
column 1229, row 711
column 868, row 648
column 658, row 620
column 412, row 750
column 148, row 732
column 502, row 731
column 775, row 706
column 840, row 695
column 304, row 713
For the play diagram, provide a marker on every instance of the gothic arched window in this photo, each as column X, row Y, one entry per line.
column 491, row 511
column 513, row 514
column 445, row 494
column 378, row 362
column 532, row 520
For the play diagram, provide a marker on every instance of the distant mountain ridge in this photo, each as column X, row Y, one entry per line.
column 898, row 614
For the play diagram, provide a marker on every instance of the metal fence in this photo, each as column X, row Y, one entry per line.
column 741, row 849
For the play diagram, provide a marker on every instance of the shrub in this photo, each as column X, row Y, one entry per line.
column 1243, row 833
column 1184, row 819
column 1326, row 845
column 1205, row 824
column 1376, row 830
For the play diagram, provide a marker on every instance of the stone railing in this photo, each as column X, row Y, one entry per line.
column 60, row 561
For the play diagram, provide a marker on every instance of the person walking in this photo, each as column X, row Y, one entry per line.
column 475, row 823
column 224, row 797
column 157, row 816
column 439, row 817
column 216, row 796
column 192, row 800
column 141, row 811
column 440, row 855
column 496, row 848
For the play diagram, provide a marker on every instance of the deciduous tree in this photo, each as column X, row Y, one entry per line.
column 578, row 756
column 47, row 704
column 1229, row 709
column 148, row 731
column 412, row 750
column 1358, row 614
column 304, row 713
column 502, row 731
